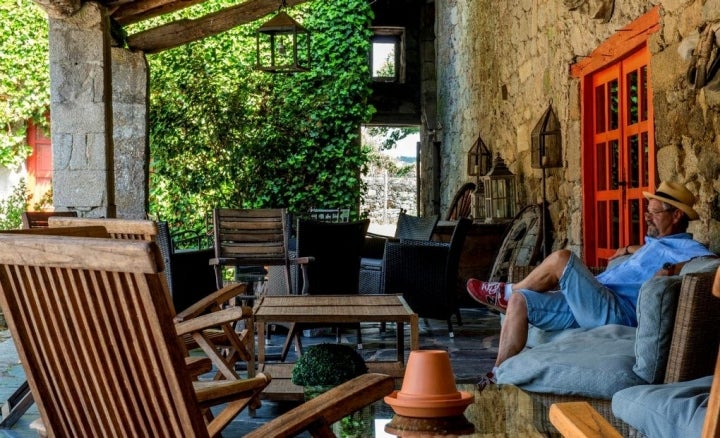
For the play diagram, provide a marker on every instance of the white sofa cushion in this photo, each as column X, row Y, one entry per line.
column 595, row 363
column 665, row 411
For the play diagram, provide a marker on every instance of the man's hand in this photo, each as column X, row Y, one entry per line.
column 625, row 250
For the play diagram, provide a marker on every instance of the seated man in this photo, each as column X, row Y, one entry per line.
column 584, row 300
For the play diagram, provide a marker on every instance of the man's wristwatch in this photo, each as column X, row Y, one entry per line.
column 669, row 267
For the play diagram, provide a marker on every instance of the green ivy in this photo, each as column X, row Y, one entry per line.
column 24, row 76
column 12, row 207
column 224, row 134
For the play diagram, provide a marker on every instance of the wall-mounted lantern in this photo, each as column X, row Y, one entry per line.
column 500, row 196
column 478, row 164
column 546, row 152
column 283, row 45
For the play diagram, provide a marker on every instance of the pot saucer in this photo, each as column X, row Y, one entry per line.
column 429, row 408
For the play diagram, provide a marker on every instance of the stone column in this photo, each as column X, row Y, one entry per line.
column 130, row 81
column 81, row 113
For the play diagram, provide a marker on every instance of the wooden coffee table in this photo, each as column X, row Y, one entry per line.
column 331, row 309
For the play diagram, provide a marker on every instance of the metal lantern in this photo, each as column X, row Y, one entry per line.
column 546, row 153
column 546, row 141
column 479, row 158
column 499, row 192
column 283, row 45
column 478, row 164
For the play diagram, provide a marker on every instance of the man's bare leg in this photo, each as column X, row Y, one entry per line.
column 514, row 330
column 546, row 276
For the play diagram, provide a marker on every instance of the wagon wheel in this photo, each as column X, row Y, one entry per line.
column 522, row 243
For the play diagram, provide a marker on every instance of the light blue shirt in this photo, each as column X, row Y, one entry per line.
column 626, row 278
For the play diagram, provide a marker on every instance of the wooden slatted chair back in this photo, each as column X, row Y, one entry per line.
column 39, row 219
column 132, row 229
column 251, row 234
column 95, row 336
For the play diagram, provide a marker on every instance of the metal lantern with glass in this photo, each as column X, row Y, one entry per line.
column 546, row 153
column 478, row 164
column 283, row 45
column 499, row 192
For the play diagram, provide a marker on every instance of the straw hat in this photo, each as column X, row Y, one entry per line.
column 676, row 195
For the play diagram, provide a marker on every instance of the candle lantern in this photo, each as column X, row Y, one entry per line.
column 282, row 45
column 546, row 153
column 499, row 185
column 478, row 164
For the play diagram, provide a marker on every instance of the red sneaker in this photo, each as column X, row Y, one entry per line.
column 488, row 293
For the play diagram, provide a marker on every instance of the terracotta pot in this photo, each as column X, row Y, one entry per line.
column 428, row 388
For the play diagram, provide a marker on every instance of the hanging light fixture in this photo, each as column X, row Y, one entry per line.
column 499, row 192
column 546, row 153
column 282, row 45
column 478, row 164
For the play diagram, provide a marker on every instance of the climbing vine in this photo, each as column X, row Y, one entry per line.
column 224, row 134
column 24, row 76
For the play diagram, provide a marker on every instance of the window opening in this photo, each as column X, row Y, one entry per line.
column 386, row 54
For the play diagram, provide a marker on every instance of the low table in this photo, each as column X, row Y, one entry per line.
column 331, row 309
column 497, row 411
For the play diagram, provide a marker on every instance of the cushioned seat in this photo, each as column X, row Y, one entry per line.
column 665, row 411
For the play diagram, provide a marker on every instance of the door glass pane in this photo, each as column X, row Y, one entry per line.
column 614, row 164
column 602, row 166
column 632, row 97
column 600, row 109
column 645, row 148
column 643, row 93
column 615, row 223
column 635, row 218
column 614, row 103
column 633, row 161
column 601, row 221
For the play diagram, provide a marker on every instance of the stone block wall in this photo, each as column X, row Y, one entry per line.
column 500, row 64
column 386, row 195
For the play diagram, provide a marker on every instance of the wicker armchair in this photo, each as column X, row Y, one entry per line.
column 693, row 348
column 425, row 273
column 408, row 227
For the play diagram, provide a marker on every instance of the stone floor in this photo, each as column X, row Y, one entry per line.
column 472, row 352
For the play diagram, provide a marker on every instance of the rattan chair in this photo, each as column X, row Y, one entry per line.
column 426, row 274
column 371, row 265
column 693, row 348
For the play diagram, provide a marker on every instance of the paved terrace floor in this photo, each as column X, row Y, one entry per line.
column 472, row 352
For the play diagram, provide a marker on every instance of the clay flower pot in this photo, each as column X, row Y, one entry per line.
column 428, row 388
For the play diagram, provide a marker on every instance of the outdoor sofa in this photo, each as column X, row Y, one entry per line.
column 676, row 341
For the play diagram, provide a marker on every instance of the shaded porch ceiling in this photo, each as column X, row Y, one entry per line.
column 173, row 34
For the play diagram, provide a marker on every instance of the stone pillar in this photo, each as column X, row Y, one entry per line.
column 130, row 82
column 81, row 113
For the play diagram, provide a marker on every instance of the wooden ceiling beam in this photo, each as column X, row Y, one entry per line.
column 185, row 31
column 134, row 12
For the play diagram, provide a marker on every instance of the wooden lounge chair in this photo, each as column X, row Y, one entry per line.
column 39, row 219
column 99, row 305
column 214, row 334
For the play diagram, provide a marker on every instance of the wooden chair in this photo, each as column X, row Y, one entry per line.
column 127, row 376
column 39, row 219
column 213, row 333
column 461, row 205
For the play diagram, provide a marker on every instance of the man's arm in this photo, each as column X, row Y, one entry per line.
column 625, row 250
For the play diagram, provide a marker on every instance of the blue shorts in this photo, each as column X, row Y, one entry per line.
column 581, row 302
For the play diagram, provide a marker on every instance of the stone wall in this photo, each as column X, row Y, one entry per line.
column 386, row 195
column 501, row 63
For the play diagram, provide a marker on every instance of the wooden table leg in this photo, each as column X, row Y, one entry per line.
column 400, row 342
column 414, row 333
column 261, row 344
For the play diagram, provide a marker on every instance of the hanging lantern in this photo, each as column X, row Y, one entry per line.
column 500, row 196
column 478, row 164
column 546, row 141
column 283, row 45
column 479, row 158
